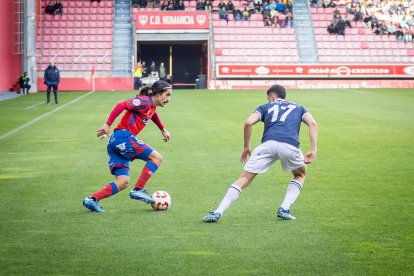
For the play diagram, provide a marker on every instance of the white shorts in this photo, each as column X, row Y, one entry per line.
column 270, row 151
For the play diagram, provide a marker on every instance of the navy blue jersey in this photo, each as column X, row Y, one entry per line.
column 282, row 120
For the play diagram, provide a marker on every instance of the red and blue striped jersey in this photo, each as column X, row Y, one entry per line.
column 138, row 112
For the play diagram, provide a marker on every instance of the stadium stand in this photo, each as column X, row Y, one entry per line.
column 250, row 41
column 359, row 44
column 78, row 39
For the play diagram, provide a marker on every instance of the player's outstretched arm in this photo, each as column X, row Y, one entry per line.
column 248, row 126
column 104, row 130
column 156, row 119
column 313, row 136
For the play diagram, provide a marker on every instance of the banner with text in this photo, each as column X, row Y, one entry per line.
column 315, row 71
column 172, row 20
column 310, row 84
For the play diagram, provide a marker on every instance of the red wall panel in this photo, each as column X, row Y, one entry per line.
column 10, row 63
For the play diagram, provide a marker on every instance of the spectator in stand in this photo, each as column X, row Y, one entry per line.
column 289, row 6
column 282, row 20
column 326, row 3
column 280, row 7
column 134, row 3
column 289, row 20
column 264, row 5
column 168, row 79
column 179, row 5
column 230, row 7
column 251, row 8
column 162, row 72
column 274, row 18
column 335, row 19
column 391, row 28
column 237, row 15
column 49, row 8
column 400, row 9
column 346, row 20
column 223, row 14
column 258, row 5
column 52, row 79
column 340, row 28
column 314, row 3
column 382, row 29
column 267, row 18
column 221, row 5
column 57, row 8
column 272, row 5
column 156, row 3
column 164, row 5
column 207, row 5
column 357, row 15
column 24, row 83
column 170, row 6
column 200, row 5
column 404, row 22
column 143, row 3
column 399, row 34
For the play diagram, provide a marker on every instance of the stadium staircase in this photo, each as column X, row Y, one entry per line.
column 122, row 61
column 359, row 45
column 305, row 35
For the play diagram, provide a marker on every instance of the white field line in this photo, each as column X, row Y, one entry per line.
column 43, row 116
column 34, row 105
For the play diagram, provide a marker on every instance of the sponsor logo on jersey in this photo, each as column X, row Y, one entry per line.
column 136, row 102
column 140, row 142
column 145, row 120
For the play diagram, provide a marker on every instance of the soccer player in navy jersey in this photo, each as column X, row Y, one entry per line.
column 123, row 146
column 282, row 120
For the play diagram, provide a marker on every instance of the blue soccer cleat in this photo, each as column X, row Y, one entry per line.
column 212, row 217
column 92, row 205
column 142, row 195
column 284, row 214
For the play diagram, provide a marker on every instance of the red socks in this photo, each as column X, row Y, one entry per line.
column 108, row 190
column 149, row 169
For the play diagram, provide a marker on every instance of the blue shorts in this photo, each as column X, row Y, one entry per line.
column 123, row 147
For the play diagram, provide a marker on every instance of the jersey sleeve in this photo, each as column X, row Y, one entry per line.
column 136, row 105
column 260, row 111
column 304, row 111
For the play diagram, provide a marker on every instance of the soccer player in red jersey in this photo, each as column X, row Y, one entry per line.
column 123, row 146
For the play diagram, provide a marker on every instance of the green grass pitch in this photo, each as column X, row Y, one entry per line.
column 355, row 215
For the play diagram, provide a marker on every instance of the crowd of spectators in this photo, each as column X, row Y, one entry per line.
column 276, row 13
column 383, row 17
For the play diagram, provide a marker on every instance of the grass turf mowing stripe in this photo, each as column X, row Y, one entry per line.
column 43, row 116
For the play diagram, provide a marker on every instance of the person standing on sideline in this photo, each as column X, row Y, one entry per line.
column 52, row 79
column 280, row 141
column 123, row 146
column 161, row 71
column 24, row 83
column 137, row 76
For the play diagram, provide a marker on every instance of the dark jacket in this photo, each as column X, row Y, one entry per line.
column 23, row 80
column 52, row 75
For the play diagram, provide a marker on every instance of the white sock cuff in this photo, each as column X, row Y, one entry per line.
column 234, row 186
column 296, row 183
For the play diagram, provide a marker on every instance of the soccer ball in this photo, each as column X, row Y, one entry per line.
column 162, row 201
